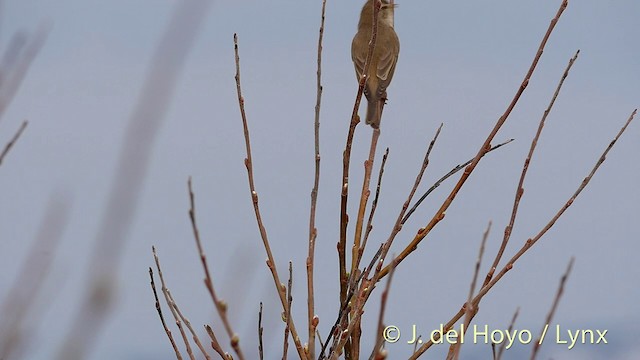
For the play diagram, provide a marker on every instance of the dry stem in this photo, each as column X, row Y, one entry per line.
column 498, row 356
column 313, row 232
column 374, row 204
column 221, row 305
column 260, row 329
column 254, row 197
column 443, row 178
column 172, row 305
column 287, row 314
column 164, row 324
column 552, row 311
column 470, row 310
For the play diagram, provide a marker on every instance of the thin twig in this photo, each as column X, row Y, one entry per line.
column 374, row 204
column 378, row 352
column 13, row 140
column 221, row 305
column 164, row 324
column 256, row 207
column 186, row 321
column 470, row 310
column 525, row 168
column 445, row 177
column 439, row 215
column 552, row 311
column 172, row 306
column 531, row 241
column 260, row 329
column 503, row 345
column 313, row 231
column 398, row 225
column 287, row 314
column 215, row 344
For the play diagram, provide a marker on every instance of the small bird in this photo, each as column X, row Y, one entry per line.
column 385, row 55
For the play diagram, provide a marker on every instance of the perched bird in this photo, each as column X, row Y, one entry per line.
column 385, row 55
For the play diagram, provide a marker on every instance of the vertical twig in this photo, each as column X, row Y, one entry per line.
column 287, row 314
column 313, row 232
column 256, row 207
column 260, row 329
column 346, row 159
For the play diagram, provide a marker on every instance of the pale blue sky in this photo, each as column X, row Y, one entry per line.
column 460, row 63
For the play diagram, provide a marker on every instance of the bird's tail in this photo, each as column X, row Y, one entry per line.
column 373, row 113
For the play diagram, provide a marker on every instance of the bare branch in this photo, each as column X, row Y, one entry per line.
column 221, row 305
column 256, row 207
column 531, row 241
column 525, row 167
column 552, row 311
column 445, row 177
column 439, row 215
column 164, row 324
column 260, row 329
column 498, row 356
column 313, row 232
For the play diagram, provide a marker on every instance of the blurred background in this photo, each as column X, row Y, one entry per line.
column 460, row 64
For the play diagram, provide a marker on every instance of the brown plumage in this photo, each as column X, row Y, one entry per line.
column 383, row 61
